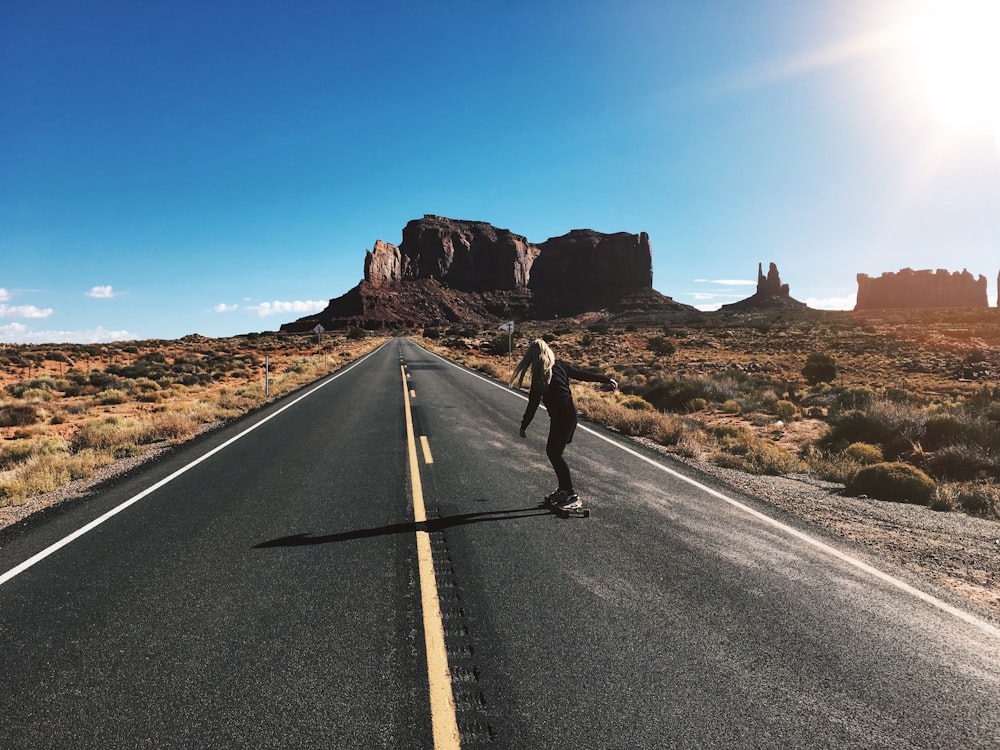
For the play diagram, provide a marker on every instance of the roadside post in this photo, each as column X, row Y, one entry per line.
column 318, row 330
column 509, row 328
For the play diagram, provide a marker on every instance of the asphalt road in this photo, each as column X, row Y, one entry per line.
column 261, row 588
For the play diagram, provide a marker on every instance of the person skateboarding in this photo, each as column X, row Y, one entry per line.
column 550, row 385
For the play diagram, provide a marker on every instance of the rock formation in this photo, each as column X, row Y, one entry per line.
column 909, row 288
column 585, row 269
column 383, row 264
column 447, row 270
column 771, row 294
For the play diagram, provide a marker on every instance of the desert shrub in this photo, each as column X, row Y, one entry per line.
column 864, row 453
column 819, row 368
column 661, row 347
column 674, row 395
column 785, row 409
column 112, row 396
column 952, row 427
column 489, row 367
column 944, row 499
column 961, row 461
column 18, row 451
column 635, row 403
column 170, row 426
column 302, row 366
column 831, row 467
column 37, row 394
column 38, row 475
column 978, row 499
column 665, row 429
column 894, row 426
column 191, row 379
column 432, row 333
column 736, row 432
column 104, row 381
column 47, row 472
column 18, row 390
column 502, row 344
column 124, row 437
column 853, row 398
column 145, row 390
column 118, row 437
column 730, row 406
column 357, row 334
column 19, row 415
column 895, row 481
column 741, row 449
column 697, row 404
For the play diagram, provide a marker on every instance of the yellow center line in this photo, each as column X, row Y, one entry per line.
column 426, row 447
column 443, row 720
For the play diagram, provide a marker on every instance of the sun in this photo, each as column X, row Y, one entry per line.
column 954, row 47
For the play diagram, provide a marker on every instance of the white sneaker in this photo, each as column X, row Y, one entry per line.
column 567, row 501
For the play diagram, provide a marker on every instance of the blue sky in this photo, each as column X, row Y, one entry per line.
column 221, row 167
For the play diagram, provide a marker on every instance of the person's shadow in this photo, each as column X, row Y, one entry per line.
column 430, row 525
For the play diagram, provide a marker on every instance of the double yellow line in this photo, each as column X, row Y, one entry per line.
column 443, row 720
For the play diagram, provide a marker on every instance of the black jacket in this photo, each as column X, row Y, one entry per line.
column 557, row 396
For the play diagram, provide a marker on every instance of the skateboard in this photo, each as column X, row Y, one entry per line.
column 566, row 512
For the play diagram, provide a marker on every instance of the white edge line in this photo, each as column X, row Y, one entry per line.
column 39, row 556
column 790, row 530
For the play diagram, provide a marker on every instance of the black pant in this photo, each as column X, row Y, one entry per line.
column 562, row 425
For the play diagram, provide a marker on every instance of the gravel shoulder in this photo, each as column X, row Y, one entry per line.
column 951, row 554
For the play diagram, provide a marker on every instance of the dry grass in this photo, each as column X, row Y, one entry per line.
column 66, row 412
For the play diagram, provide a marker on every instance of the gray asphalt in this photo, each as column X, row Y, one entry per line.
column 268, row 597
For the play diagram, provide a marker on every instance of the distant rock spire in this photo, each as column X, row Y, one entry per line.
column 770, row 285
column 771, row 293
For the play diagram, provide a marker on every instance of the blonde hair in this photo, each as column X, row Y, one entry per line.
column 539, row 359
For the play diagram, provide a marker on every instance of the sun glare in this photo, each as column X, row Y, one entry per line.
column 955, row 48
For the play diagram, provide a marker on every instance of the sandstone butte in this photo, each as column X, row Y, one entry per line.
column 447, row 271
column 450, row 271
column 909, row 288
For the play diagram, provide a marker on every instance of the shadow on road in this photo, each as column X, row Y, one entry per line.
column 430, row 525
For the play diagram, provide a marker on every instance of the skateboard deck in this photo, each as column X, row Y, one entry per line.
column 566, row 512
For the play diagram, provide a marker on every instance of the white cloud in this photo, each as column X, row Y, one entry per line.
column 832, row 303
column 10, row 332
column 733, row 282
column 264, row 309
column 101, row 292
column 18, row 333
column 24, row 311
column 20, row 311
column 222, row 307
